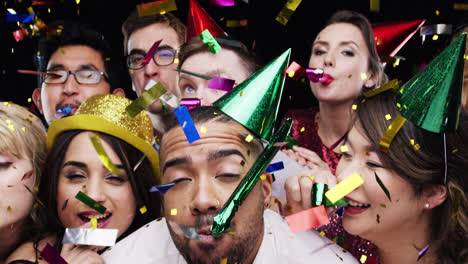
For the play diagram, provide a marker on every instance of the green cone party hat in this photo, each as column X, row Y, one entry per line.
column 254, row 103
column 432, row 99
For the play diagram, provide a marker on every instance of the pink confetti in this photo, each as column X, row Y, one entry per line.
column 308, row 219
column 151, row 52
column 295, row 69
column 222, row 84
column 51, row 255
column 190, row 103
column 222, row 2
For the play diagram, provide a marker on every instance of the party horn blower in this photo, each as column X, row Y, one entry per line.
column 224, row 217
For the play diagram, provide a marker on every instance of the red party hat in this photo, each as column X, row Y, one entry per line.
column 390, row 37
column 198, row 20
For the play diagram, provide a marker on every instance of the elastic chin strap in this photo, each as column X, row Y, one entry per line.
column 445, row 157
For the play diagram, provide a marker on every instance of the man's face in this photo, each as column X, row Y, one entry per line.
column 140, row 42
column 71, row 93
column 206, row 173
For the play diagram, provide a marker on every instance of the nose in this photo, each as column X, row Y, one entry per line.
column 205, row 199
column 151, row 70
column 329, row 60
column 71, row 86
column 95, row 189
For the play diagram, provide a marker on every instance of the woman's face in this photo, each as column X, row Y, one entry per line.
column 371, row 214
column 225, row 64
column 15, row 200
column 82, row 170
column 340, row 50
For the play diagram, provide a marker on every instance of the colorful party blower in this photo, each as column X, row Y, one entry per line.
column 432, row 99
column 198, row 20
column 254, row 103
column 391, row 37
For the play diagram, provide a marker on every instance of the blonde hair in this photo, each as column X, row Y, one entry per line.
column 23, row 135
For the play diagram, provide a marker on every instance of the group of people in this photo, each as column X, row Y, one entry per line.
column 423, row 217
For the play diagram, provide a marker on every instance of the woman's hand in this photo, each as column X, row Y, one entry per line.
column 299, row 187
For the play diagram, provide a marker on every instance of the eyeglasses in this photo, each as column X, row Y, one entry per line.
column 162, row 57
column 81, row 76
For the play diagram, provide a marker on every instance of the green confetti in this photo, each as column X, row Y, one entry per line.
column 378, row 219
column 205, row 77
column 382, row 186
column 90, row 202
column 291, row 142
column 210, row 41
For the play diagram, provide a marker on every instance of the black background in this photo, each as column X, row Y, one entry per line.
column 263, row 34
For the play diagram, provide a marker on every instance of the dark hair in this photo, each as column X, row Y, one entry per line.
column 141, row 181
column 75, row 33
column 135, row 22
column 195, row 46
column 361, row 22
column 423, row 166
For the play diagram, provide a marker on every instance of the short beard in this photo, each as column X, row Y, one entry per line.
column 240, row 249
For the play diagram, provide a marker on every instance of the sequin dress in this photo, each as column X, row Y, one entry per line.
column 304, row 130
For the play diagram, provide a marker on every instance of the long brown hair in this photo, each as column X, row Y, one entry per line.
column 418, row 156
column 141, row 181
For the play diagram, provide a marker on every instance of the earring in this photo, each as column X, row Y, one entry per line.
column 427, row 205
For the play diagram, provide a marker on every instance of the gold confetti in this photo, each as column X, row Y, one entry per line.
column 143, row 209
column 363, row 258
column 388, row 116
column 131, row 71
column 241, row 93
column 24, row 129
column 9, row 209
column 203, row 129
column 36, row 205
column 311, row 178
column 383, row 205
column 93, row 223
column 344, row 148
column 29, row 100
column 176, row 61
column 223, row 261
column 322, row 233
column 354, row 107
column 435, row 37
column 231, row 233
column 61, row 51
column 36, row 189
column 174, row 211
column 417, row 147
column 108, row 59
column 291, row 74
column 454, row 151
column 8, row 121
column 437, row 12
column 249, row 138
column 263, row 177
column 363, row 76
column 412, row 141
column 378, row 219
column 302, row 129
column 344, row 187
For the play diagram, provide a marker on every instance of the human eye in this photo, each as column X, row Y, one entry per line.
column 348, row 53
column 54, row 75
column 374, row 165
column 88, row 74
column 165, row 53
column 75, row 176
column 180, row 180
column 318, row 51
column 346, row 156
column 136, row 58
column 5, row 165
column 188, row 89
column 228, row 175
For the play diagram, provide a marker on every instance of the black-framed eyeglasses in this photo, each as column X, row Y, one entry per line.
column 162, row 57
column 81, row 76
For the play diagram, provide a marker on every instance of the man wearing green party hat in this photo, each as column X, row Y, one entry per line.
column 222, row 169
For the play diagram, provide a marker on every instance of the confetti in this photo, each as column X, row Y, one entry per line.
column 223, row 261
column 423, row 252
column 374, row 6
column 378, row 219
column 417, row 147
column 262, row 177
column 190, row 103
column 210, row 41
column 291, row 142
column 383, row 205
column 90, row 202
column 203, row 129
column 93, row 223
column 295, row 71
column 174, row 211
column 393, row 84
column 156, row 7
column 205, row 77
column 363, row 259
column 151, row 52
column 354, row 106
column 9, row 208
column 51, row 255
column 96, row 141
column 388, row 116
column 344, row 187
column 308, row 219
column 145, row 99
column 344, row 148
column 275, row 167
column 322, row 233
column 88, row 236
column 236, row 23
column 222, row 2
column 65, row 203
column 454, row 151
column 392, row 130
column 162, row 188
column 143, row 209
column 189, row 128
column 287, row 11
column 222, row 84
column 302, row 129
column 379, row 181
column 249, row 138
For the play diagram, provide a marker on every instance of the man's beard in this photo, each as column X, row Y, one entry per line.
column 239, row 250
